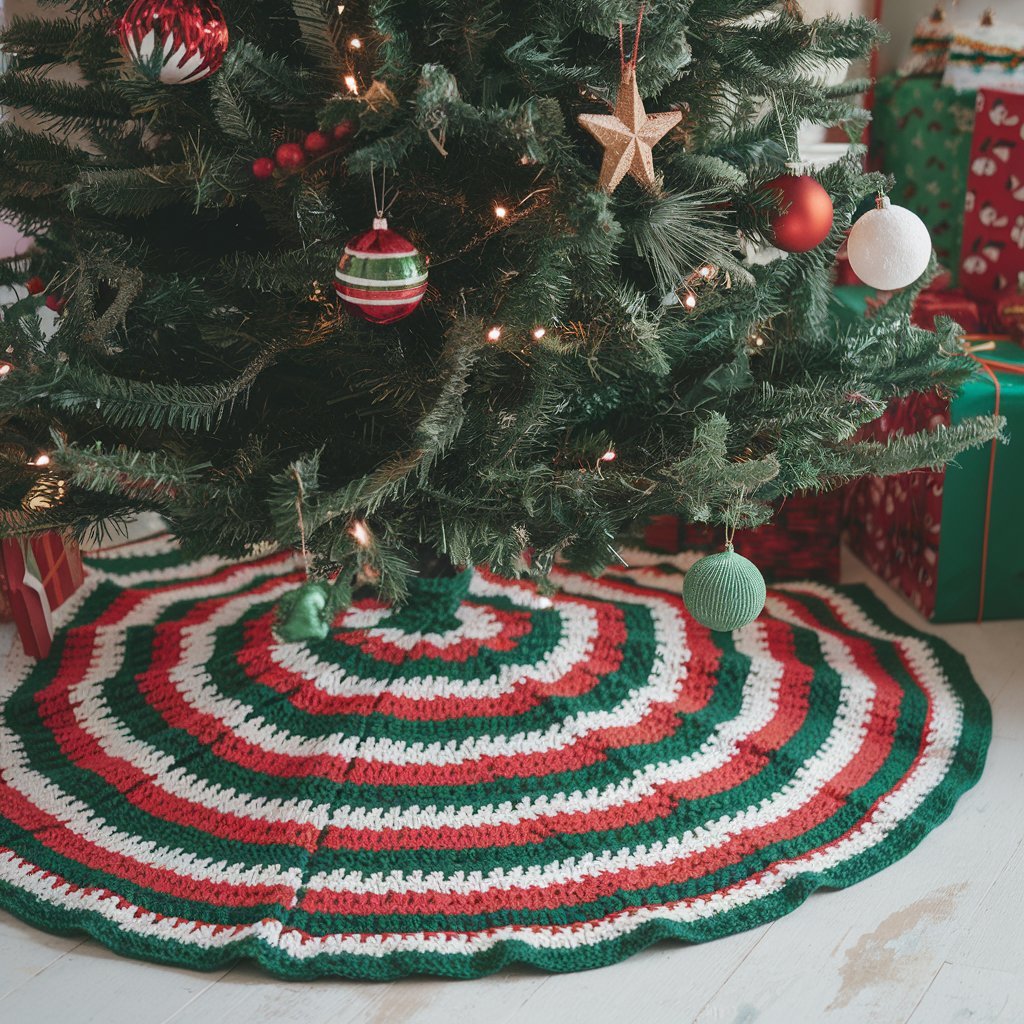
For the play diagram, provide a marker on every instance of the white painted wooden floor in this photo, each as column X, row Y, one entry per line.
column 938, row 937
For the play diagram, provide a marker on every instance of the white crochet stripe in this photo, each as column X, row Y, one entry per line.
column 83, row 821
column 839, row 748
column 192, row 679
column 578, row 633
column 759, row 705
column 476, row 623
column 894, row 808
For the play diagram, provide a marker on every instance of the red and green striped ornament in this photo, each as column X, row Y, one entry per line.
column 381, row 275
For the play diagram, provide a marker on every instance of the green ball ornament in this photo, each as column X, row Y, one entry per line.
column 304, row 614
column 724, row 591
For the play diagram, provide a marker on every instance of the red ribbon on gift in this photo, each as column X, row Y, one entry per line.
column 990, row 366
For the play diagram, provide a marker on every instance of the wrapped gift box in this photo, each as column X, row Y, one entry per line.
column 37, row 575
column 922, row 136
column 801, row 543
column 949, row 539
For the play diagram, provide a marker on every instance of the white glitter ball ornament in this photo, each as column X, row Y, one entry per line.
column 889, row 248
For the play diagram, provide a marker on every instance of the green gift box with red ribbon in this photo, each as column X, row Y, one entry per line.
column 950, row 540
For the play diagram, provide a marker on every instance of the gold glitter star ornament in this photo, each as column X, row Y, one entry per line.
column 629, row 135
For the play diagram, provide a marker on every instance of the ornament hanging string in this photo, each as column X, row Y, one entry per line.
column 730, row 527
column 630, row 65
column 300, row 492
column 379, row 204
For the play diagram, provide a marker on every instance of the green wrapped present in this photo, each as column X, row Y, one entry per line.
column 949, row 539
column 922, row 136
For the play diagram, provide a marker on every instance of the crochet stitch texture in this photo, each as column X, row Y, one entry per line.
column 488, row 776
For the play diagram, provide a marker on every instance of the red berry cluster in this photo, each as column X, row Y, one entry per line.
column 290, row 156
column 36, row 286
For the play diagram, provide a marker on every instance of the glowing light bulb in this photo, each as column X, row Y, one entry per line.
column 609, row 456
column 360, row 533
column 351, row 84
column 40, row 460
column 5, row 368
column 500, row 212
column 539, row 332
column 758, row 341
column 706, row 271
column 356, row 43
column 690, row 300
column 494, row 334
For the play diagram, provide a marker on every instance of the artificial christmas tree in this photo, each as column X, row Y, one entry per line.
column 457, row 768
column 201, row 368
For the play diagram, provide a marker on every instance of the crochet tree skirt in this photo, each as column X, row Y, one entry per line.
column 485, row 777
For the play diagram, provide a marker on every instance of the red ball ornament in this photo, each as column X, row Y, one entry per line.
column 290, row 155
column 35, row 285
column 381, row 276
column 184, row 40
column 343, row 131
column 263, row 168
column 55, row 303
column 316, row 143
column 805, row 212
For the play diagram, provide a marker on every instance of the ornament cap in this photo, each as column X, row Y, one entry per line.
column 883, row 203
column 380, row 223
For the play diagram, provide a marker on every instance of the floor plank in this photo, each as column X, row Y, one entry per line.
column 89, row 985
column 981, row 996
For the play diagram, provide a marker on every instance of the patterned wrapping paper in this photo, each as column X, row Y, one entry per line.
column 938, row 537
column 992, row 255
column 36, row 577
column 922, row 137
column 894, row 523
column 802, row 543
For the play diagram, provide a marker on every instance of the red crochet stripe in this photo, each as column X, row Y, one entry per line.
column 128, row 600
column 753, row 755
column 527, row 694
column 56, row 836
column 884, row 715
column 515, row 625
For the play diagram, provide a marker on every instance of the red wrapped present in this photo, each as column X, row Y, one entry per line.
column 939, row 299
column 801, row 543
column 38, row 575
column 947, row 539
column 992, row 251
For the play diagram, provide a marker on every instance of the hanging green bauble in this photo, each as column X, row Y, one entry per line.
column 724, row 591
column 304, row 614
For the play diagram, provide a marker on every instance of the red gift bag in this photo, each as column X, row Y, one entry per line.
column 992, row 254
column 38, row 575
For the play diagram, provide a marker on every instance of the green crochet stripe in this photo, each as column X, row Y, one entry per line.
column 755, row 774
